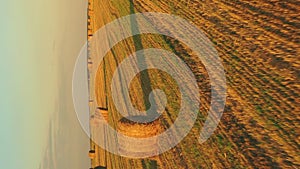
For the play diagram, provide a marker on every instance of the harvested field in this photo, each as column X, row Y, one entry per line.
column 258, row 43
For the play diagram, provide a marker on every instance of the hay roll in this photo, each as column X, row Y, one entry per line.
column 139, row 129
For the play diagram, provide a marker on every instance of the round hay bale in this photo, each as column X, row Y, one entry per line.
column 90, row 65
column 100, row 167
column 92, row 154
column 90, row 33
column 138, row 129
column 90, row 60
column 103, row 112
column 91, row 102
column 96, row 119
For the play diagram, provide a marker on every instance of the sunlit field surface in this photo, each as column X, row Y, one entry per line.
column 258, row 43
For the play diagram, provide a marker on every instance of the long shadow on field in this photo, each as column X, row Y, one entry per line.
column 144, row 75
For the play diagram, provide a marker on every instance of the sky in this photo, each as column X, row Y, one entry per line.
column 40, row 41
